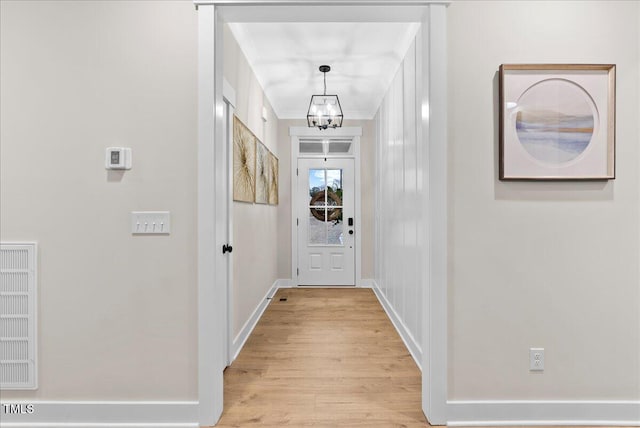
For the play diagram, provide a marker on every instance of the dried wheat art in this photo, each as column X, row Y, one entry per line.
column 244, row 162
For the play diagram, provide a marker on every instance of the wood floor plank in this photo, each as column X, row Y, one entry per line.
column 323, row 358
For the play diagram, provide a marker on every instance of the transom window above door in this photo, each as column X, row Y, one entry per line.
column 326, row 146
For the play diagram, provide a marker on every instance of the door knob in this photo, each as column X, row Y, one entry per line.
column 351, row 232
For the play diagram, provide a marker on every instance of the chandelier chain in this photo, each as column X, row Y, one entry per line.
column 325, row 82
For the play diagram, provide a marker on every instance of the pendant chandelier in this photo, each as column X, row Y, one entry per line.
column 324, row 110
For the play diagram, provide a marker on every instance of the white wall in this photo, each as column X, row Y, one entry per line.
column 117, row 313
column 255, row 226
column 398, row 217
column 367, row 171
column 553, row 265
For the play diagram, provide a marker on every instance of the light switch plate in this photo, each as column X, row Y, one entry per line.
column 150, row 222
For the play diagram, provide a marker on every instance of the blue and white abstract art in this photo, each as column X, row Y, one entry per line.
column 555, row 121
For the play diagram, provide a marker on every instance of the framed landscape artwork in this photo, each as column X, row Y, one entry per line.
column 557, row 122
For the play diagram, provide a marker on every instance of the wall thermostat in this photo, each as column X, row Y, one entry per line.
column 118, row 158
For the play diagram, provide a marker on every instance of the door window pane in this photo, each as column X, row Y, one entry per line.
column 334, row 180
column 326, row 225
column 335, row 232
column 317, row 227
column 317, row 183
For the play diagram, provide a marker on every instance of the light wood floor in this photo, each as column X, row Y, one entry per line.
column 323, row 358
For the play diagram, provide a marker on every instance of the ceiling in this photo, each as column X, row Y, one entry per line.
column 285, row 57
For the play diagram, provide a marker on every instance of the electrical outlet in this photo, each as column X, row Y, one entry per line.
column 536, row 359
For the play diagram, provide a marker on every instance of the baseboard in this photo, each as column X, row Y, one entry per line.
column 248, row 327
column 407, row 338
column 284, row 283
column 366, row 283
column 288, row 283
column 543, row 413
column 123, row 414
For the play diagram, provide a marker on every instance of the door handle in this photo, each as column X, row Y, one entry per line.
column 351, row 232
column 226, row 248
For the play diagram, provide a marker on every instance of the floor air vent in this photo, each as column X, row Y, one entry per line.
column 18, row 316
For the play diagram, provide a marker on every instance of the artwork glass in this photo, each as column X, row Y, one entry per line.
column 244, row 162
column 557, row 122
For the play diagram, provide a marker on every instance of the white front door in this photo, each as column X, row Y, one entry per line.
column 326, row 222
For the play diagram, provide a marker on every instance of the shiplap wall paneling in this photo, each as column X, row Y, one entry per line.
column 398, row 277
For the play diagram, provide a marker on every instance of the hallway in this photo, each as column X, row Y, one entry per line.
column 323, row 358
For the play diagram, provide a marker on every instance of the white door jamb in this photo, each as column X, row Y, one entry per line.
column 229, row 95
column 211, row 322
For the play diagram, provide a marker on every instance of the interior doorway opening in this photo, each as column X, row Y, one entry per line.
column 432, row 94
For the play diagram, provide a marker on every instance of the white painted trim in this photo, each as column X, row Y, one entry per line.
column 311, row 11
column 104, row 413
column 358, row 209
column 247, row 328
column 295, row 132
column 211, row 312
column 367, row 283
column 514, row 412
column 285, row 283
column 434, row 103
column 229, row 93
column 295, row 153
column 431, row 65
column 557, row 423
column 403, row 331
column 99, row 425
column 230, row 109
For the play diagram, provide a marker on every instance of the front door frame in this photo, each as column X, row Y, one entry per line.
column 355, row 132
column 212, row 14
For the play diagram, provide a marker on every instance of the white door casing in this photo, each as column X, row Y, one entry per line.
column 229, row 98
column 305, row 135
column 326, row 221
column 211, row 323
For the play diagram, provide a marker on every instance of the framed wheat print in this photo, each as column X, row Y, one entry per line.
column 557, row 122
column 244, row 162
